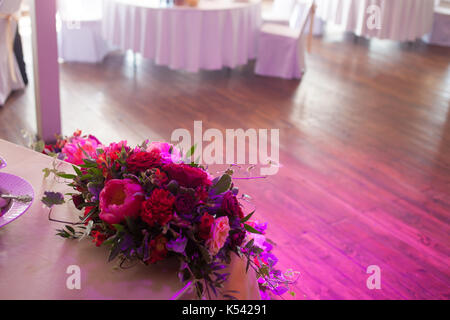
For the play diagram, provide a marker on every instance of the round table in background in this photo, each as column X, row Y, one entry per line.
column 215, row 34
column 401, row 20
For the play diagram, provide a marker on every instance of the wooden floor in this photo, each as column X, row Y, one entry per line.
column 365, row 149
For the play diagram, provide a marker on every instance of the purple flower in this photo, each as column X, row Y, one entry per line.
column 94, row 190
column 51, row 198
column 177, row 245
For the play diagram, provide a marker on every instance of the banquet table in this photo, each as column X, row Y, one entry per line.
column 34, row 261
column 401, row 20
column 215, row 34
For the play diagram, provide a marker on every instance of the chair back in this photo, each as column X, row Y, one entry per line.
column 300, row 15
column 9, row 6
column 283, row 7
column 80, row 10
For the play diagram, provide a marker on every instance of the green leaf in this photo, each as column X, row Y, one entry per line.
column 95, row 172
column 46, row 172
column 87, row 177
column 205, row 253
column 223, row 184
column 39, row 146
column 66, row 175
column 88, row 164
column 77, row 170
column 70, row 229
column 115, row 250
column 251, row 229
column 248, row 265
column 93, row 210
column 250, row 244
column 247, row 217
column 191, row 151
column 119, row 227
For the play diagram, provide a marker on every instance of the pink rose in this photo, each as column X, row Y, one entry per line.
column 168, row 152
column 77, row 149
column 120, row 199
column 220, row 230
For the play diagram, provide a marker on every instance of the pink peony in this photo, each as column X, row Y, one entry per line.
column 220, row 230
column 120, row 199
column 167, row 154
column 77, row 149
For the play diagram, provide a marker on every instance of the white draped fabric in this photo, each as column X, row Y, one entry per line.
column 80, row 34
column 282, row 48
column 10, row 77
column 213, row 35
column 440, row 33
column 401, row 20
column 282, row 11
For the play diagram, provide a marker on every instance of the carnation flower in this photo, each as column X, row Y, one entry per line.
column 158, row 250
column 158, row 208
column 220, row 231
column 187, row 176
column 142, row 160
column 231, row 205
column 120, row 199
column 99, row 237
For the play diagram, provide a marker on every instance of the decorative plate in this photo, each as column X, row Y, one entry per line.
column 2, row 163
column 11, row 184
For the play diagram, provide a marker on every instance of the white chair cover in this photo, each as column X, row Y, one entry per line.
column 282, row 11
column 10, row 77
column 80, row 33
column 440, row 33
column 282, row 49
column 401, row 20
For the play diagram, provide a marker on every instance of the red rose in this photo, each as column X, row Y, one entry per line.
column 206, row 222
column 187, row 176
column 142, row 160
column 158, row 250
column 98, row 237
column 231, row 206
column 158, row 208
column 185, row 203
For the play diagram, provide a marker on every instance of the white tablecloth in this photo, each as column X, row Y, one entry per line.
column 401, row 20
column 80, row 31
column 213, row 35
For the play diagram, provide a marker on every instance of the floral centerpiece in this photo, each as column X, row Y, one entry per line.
column 150, row 203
